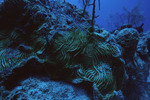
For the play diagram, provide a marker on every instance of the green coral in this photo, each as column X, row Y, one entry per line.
column 98, row 60
column 77, row 45
column 21, row 38
column 102, row 75
column 10, row 58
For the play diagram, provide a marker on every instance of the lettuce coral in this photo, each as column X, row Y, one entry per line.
column 98, row 61
column 20, row 35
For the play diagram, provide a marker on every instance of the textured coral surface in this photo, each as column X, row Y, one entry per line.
column 48, row 51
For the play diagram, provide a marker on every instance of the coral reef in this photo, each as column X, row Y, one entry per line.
column 48, row 45
column 103, row 66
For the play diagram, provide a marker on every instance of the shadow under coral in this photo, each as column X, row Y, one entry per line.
column 34, row 70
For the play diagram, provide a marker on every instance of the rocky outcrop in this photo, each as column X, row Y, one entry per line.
column 136, row 55
column 45, row 89
column 128, row 39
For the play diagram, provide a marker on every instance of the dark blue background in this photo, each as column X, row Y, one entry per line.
column 109, row 7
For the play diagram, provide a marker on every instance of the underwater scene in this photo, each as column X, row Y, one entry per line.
column 74, row 50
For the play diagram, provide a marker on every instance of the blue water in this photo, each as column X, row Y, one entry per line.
column 110, row 7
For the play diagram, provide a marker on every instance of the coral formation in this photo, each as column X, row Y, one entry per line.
column 53, row 39
column 103, row 66
column 128, row 38
column 26, row 35
column 20, row 37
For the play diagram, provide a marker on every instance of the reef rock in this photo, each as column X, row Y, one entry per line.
column 47, row 51
column 43, row 88
column 128, row 38
column 137, row 70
